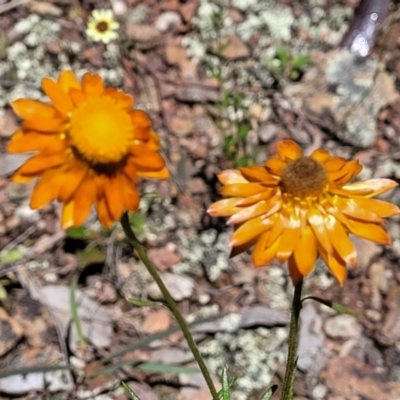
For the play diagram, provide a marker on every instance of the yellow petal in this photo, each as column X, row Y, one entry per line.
column 305, row 252
column 250, row 230
column 288, row 150
column 382, row 208
column 58, row 96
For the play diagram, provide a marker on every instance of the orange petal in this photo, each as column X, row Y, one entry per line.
column 275, row 165
column 320, row 155
column 334, row 164
column 357, row 210
column 289, row 239
column 317, row 223
column 162, row 174
column 373, row 232
column 77, row 96
column 375, row 187
column 37, row 142
column 39, row 163
column 288, row 150
column 224, row 208
column 31, row 109
column 349, row 171
column 250, row 230
column 242, row 189
column 49, row 125
column 153, row 143
column 46, row 189
column 84, row 198
column 231, row 176
column 146, row 160
column 67, row 217
column 92, row 84
column 294, row 271
column 305, row 252
column 114, row 200
column 58, row 96
column 382, row 208
column 278, row 225
column 130, row 195
column 340, row 240
column 141, row 124
column 335, row 264
column 268, row 194
column 257, row 173
column 67, row 80
column 72, row 178
column 262, row 253
column 102, row 211
column 124, row 101
column 247, row 213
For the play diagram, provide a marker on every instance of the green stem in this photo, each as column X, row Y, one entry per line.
column 170, row 302
column 288, row 382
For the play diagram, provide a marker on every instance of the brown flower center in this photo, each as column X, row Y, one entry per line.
column 303, row 177
column 102, row 26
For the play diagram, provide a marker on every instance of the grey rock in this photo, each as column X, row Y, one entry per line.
column 181, row 287
column 311, row 339
column 343, row 327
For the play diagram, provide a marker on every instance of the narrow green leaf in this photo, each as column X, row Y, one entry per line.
column 301, row 62
column 74, row 312
column 335, row 306
column 131, row 393
column 76, row 233
column 143, row 303
column 167, row 368
column 225, row 385
column 11, row 256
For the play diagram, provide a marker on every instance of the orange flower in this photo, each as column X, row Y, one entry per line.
column 91, row 147
column 296, row 207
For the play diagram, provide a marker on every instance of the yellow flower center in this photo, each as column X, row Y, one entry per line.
column 304, row 177
column 100, row 131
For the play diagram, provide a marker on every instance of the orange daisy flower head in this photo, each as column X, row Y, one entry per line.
column 296, row 208
column 90, row 148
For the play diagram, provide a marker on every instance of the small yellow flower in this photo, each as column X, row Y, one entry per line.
column 296, row 207
column 102, row 26
column 90, row 148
